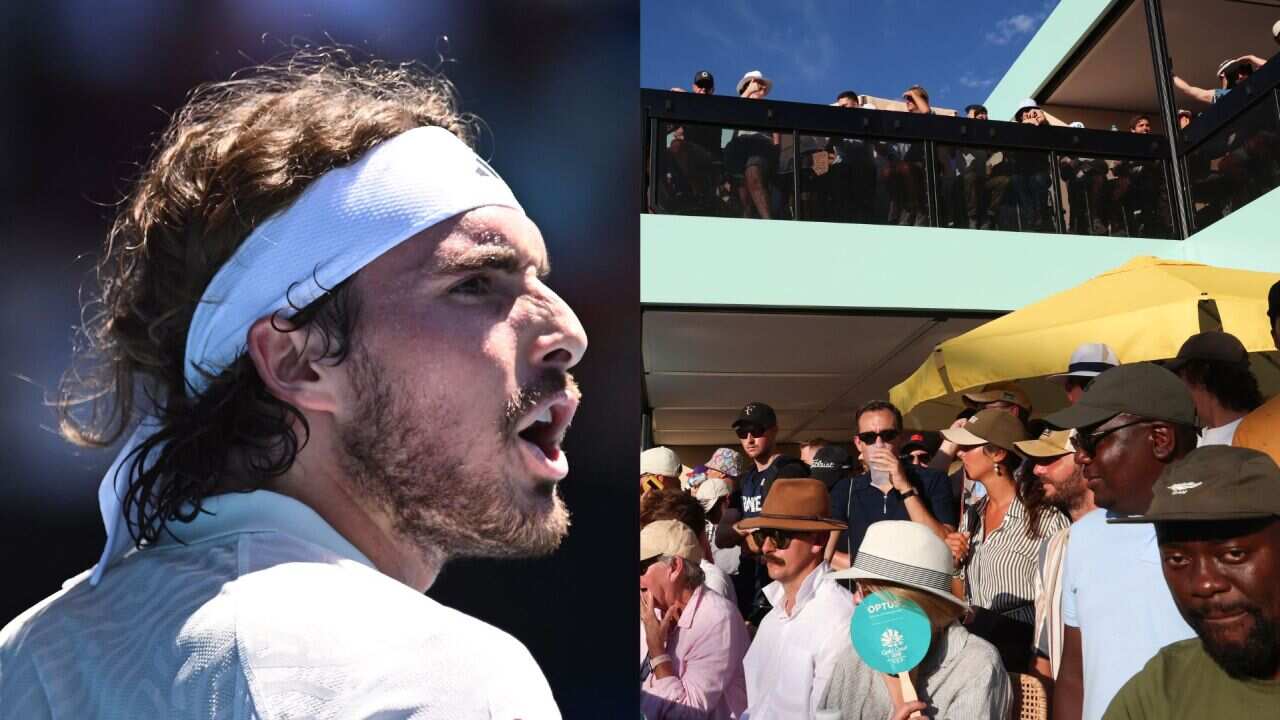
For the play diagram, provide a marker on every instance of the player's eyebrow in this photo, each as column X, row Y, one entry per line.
column 492, row 251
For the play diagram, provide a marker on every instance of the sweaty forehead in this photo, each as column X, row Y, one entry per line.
column 494, row 238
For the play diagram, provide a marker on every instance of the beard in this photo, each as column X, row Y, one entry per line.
column 1258, row 657
column 1068, row 495
column 444, row 487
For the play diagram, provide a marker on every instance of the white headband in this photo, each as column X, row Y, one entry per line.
column 344, row 220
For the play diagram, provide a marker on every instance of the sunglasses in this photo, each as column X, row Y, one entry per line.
column 1089, row 443
column 743, row 431
column 646, row 564
column 781, row 538
column 920, row 458
column 869, row 437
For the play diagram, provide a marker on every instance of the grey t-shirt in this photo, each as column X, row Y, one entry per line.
column 963, row 679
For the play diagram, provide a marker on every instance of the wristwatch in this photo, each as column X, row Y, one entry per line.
column 910, row 493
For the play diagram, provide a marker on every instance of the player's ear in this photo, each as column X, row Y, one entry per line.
column 290, row 361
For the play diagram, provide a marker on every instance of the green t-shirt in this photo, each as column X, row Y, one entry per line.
column 1182, row 681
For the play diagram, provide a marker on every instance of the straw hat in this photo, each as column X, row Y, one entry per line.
column 906, row 553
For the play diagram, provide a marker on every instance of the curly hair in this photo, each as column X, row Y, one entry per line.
column 1233, row 384
column 236, row 153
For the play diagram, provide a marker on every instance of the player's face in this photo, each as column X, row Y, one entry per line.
column 457, row 393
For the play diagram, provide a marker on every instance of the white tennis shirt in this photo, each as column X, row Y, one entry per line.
column 265, row 612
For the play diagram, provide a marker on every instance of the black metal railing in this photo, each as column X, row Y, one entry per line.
column 723, row 156
column 1231, row 152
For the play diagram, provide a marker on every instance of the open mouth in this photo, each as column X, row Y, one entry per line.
column 541, row 431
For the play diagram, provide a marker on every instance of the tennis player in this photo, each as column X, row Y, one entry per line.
column 323, row 328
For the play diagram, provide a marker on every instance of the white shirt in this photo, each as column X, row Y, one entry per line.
column 792, row 657
column 1221, row 435
column 1113, row 589
column 265, row 612
column 717, row 581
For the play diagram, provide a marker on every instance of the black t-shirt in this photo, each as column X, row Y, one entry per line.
column 754, row 485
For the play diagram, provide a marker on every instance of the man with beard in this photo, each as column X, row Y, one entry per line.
column 757, row 429
column 1053, row 455
column 352, row 373
column 1131, row 423
column 1217, row 518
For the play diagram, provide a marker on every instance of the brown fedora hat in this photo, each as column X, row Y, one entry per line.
column 799, row 504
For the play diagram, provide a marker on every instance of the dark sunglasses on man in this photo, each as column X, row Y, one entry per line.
column 781, row 538
column 918, row 457
column 742, row 431
column 869, row 437
column 1089, row 443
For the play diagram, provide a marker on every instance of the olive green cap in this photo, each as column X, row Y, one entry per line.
column 1144, row 390
column 1215, row 482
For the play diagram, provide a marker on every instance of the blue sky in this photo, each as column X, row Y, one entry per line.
column 813, row 49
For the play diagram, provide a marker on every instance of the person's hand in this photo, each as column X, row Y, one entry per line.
column 655, row 629
column 882, row 457
column 909, row 710
column 947, row 447
column 748, row 540
column 959, row 545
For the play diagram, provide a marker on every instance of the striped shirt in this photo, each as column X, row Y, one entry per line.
column 1000, row 574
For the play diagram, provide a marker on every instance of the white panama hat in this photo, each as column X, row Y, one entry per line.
column 755, row 75
column 905, row 553
column 1088, row 361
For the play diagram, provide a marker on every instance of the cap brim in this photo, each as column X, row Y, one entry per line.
column 786, row 523
column 854, row 573
column 1040, row 449
column 1080, row 415
column 962, row 436
column 1192, row 516
column 1175, row 364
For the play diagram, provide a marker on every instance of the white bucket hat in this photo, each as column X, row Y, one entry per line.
column 755, row 75
column 1088, row 361
column 905, row 553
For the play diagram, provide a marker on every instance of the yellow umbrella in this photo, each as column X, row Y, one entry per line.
column 1143, row 309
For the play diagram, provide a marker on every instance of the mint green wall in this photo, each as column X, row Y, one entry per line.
column 759, row 263
column 1248, row 238
column 1062, row 32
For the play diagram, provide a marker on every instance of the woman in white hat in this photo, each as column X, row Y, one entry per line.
column 751, row 157
column 960, row 677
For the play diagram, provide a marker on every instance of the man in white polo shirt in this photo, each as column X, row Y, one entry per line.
column 353, row 373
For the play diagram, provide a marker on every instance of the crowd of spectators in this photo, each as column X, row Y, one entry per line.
column 1121, row 554
column 740, row 172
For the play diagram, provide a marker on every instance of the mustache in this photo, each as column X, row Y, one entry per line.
column 1202, row 613
column 547, row 384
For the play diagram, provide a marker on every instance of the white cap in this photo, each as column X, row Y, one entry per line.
column 709, row 492
column 1089, row 360
column 1077, row 124
column 1275, row 31
column 669, row 537
column 660, row 461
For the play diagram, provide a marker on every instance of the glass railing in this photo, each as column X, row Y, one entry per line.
column 1232, row 150
column 726, row 157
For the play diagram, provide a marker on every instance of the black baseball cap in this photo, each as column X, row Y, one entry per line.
column 1142, row 389
column 704, row 78
column 1273, row 302
column 1215, row 482
column 830, row 464
column 1212, row 345
column 919, row 440
column 757, row 413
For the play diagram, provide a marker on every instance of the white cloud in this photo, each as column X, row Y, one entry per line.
column 1009, row 28
column 970, row 81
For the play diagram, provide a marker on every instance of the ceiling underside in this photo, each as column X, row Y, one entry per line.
column 815, row 369
column 1116, row 73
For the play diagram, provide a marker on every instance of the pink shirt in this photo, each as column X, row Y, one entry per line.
column 706, row 648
